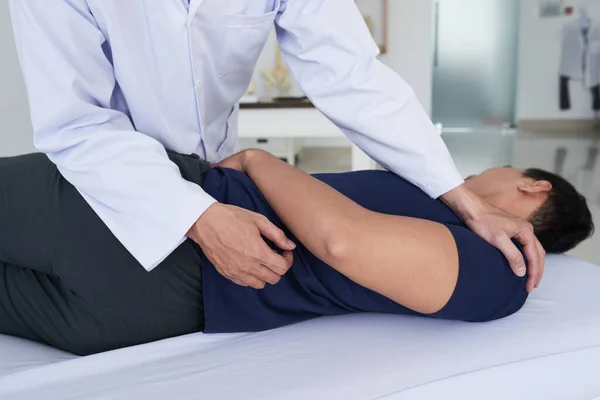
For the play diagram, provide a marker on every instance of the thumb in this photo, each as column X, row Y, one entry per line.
column 274, row 234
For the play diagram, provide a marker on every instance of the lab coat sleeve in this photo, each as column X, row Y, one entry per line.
column 124, row 175
column 333, row 57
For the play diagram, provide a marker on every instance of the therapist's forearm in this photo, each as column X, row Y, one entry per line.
column 333, row 57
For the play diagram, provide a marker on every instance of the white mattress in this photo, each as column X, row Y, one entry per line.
column 549, row 350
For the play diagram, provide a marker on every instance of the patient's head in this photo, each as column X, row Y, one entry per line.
column 559, row 214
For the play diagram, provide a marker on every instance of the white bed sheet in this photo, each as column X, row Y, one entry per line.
column 549, row 350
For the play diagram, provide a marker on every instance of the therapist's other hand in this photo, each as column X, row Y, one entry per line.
column 498, row 227
column 232, row 239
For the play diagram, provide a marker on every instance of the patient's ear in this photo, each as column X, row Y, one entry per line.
column 532, row 186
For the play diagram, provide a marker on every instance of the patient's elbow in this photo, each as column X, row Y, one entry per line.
column 338, row 249
column 341, row 241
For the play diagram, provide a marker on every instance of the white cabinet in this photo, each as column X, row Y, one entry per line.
column 281, row 126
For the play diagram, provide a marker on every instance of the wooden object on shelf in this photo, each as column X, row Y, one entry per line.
column 278, row 79
column 376, row 16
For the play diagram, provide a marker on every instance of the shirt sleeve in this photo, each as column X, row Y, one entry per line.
column 333, row 57
column 487, row 289
column 124, row 175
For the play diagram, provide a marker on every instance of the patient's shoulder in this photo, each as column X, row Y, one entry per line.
column 487, row 288
column 388, row 193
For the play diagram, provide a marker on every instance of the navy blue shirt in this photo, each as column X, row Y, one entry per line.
column 486, row 288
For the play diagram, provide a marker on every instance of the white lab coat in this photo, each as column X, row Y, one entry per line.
column 113, row 82
column 580, row 61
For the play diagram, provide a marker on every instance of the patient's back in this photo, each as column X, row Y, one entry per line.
column 486, row 288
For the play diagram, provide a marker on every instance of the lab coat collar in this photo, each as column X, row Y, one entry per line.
column 195, row 4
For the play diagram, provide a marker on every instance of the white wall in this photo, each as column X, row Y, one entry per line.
column 15, row 128
column 540, row 51
column 410, row 50
column 410, row 47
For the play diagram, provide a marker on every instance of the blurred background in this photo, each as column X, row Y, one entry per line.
column 508, row 82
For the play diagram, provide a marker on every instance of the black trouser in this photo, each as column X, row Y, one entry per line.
column 565, row 95
column 66, row 281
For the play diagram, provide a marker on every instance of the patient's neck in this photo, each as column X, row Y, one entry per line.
column 513, row 203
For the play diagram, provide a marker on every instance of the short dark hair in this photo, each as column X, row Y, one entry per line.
column 564, row 220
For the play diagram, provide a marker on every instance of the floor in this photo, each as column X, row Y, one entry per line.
column 574, row 158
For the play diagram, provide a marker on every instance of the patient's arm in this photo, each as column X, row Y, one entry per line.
column 413, row 262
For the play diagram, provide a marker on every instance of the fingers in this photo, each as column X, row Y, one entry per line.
column 254, row 282
column 276, row 262
column 242, row 255
column 267, row 270
column 257, row 281
column 512, row 254
column 289, row 257
column 532, row 251
column 273, row 233
column 236, row 280
column 260, row 277
column 271, row 267
column 239, row 282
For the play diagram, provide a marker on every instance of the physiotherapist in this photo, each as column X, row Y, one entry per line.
column 112, row 83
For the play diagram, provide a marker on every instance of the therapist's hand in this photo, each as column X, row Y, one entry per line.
column 232, row 239
column 498, row 228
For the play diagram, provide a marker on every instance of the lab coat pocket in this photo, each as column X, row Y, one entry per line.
column 245, row 37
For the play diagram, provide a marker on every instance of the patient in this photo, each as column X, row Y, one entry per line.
column 366, row 242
